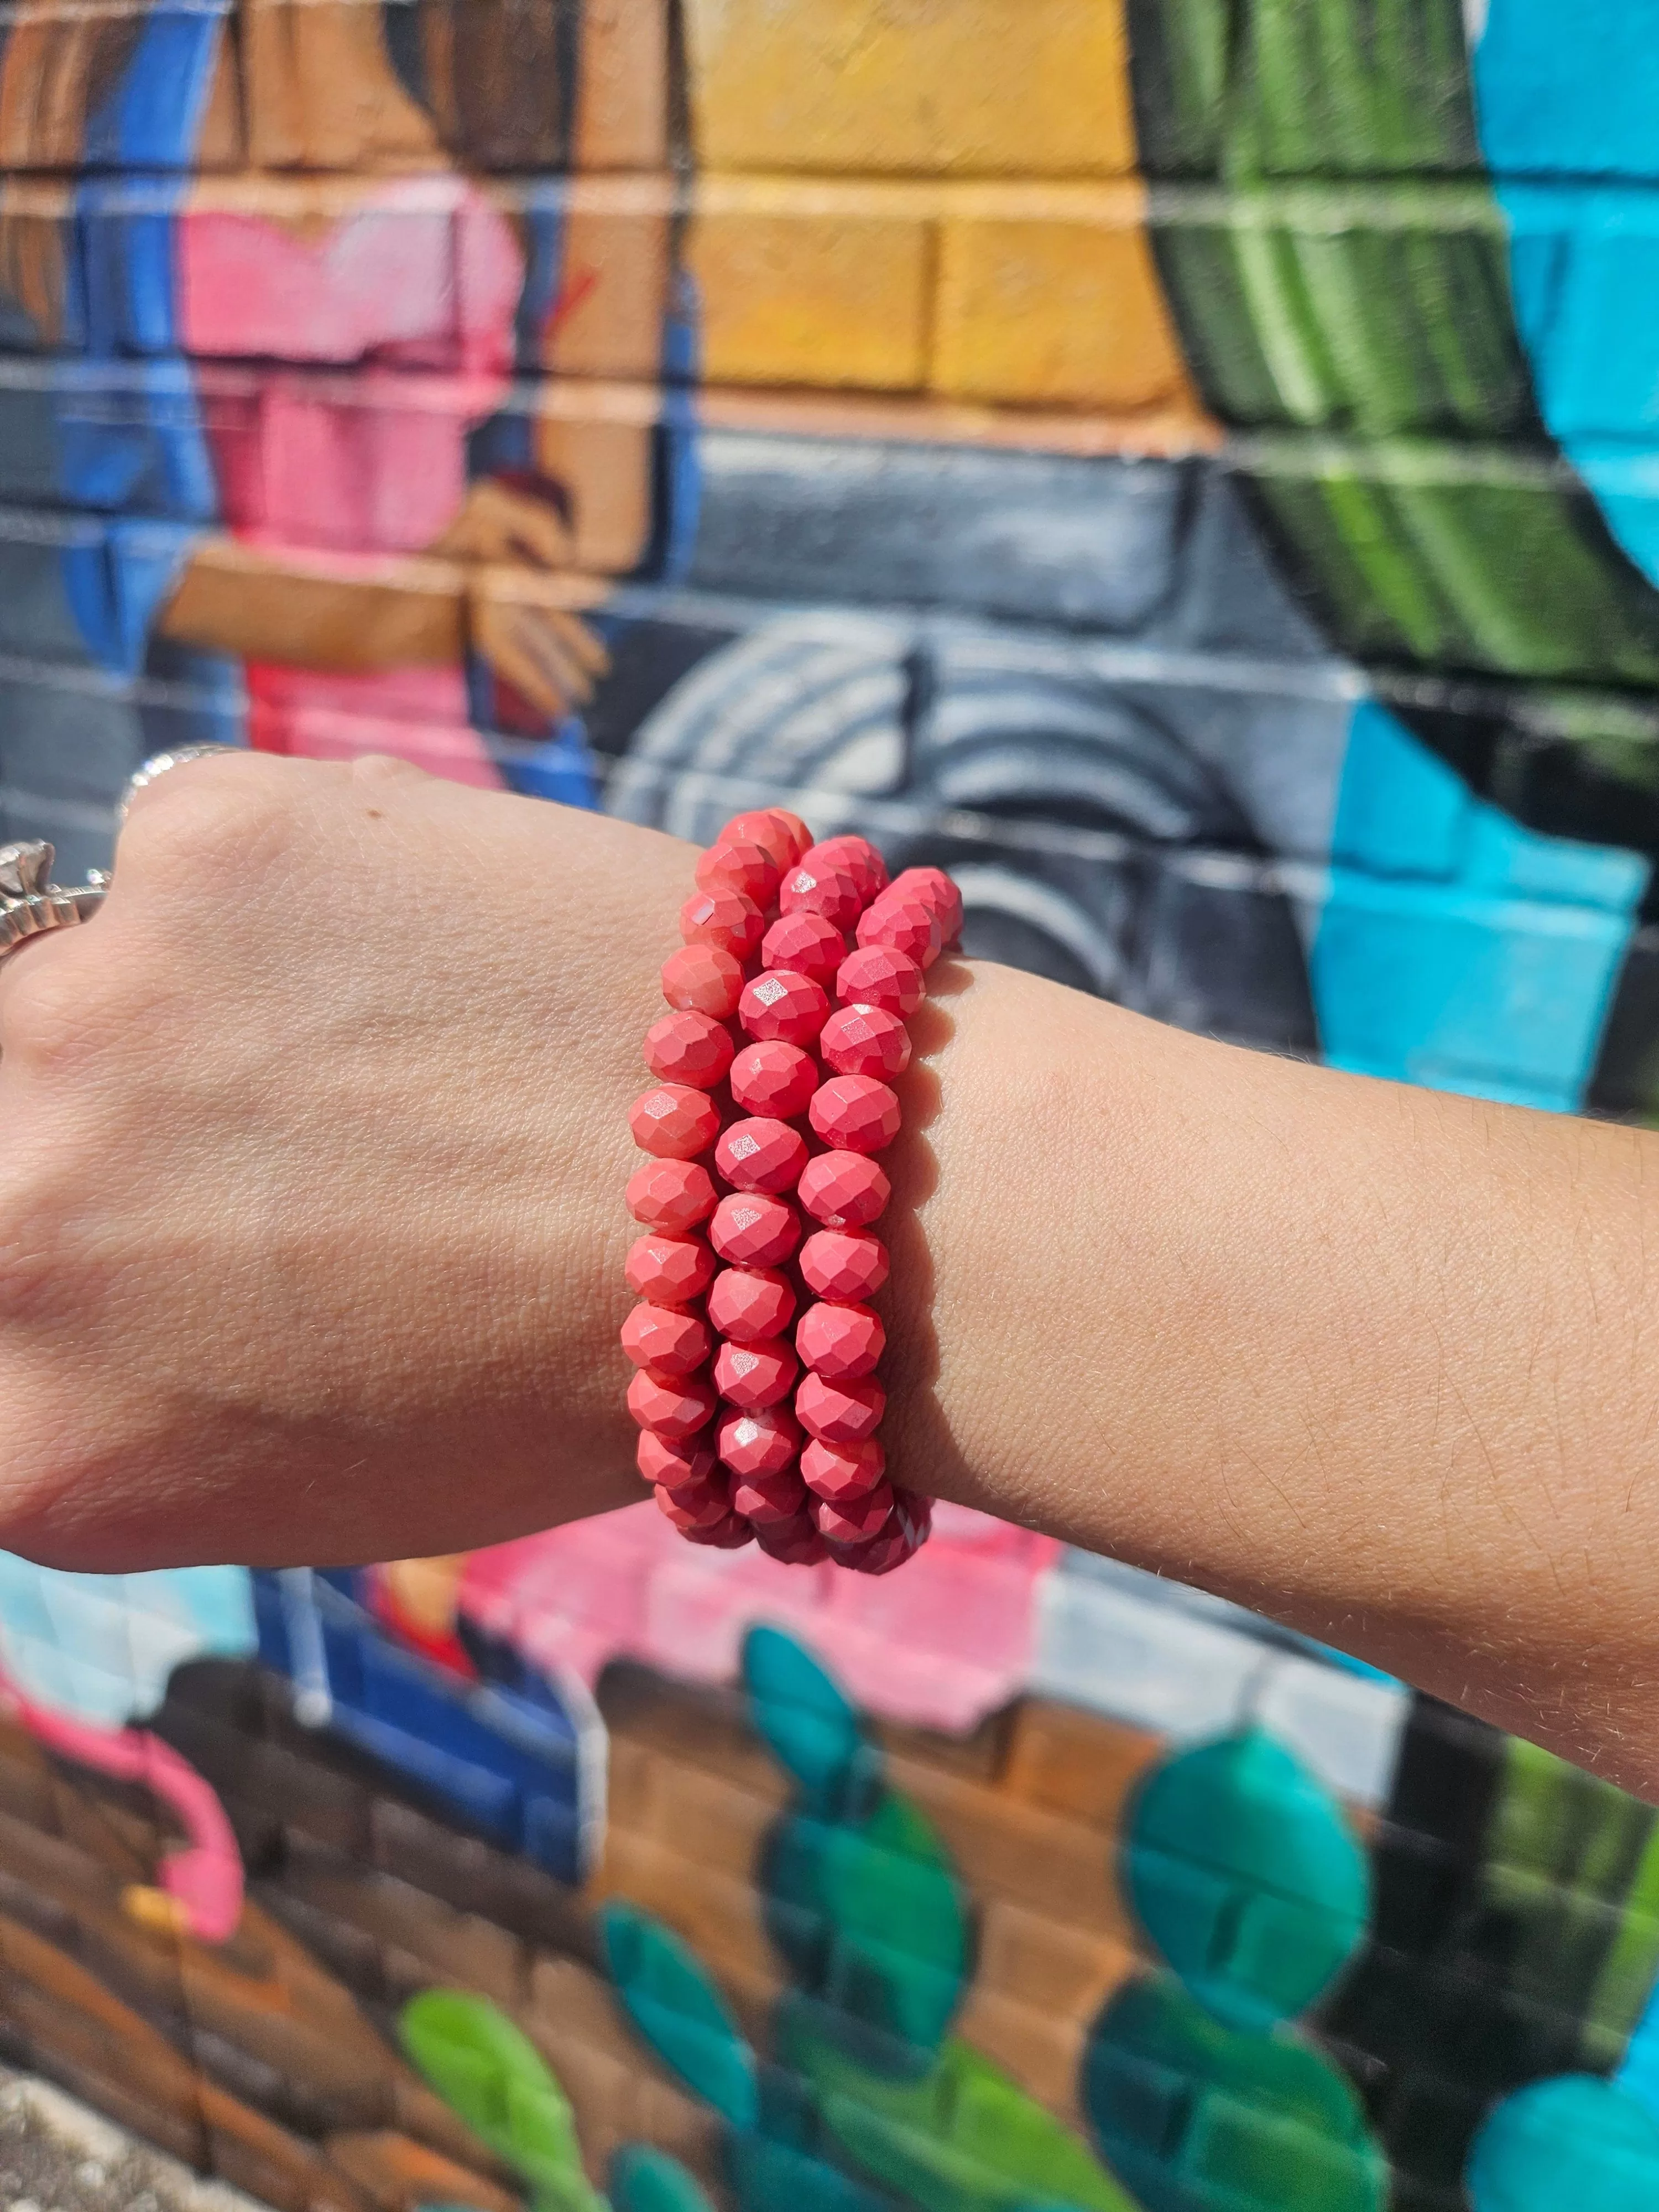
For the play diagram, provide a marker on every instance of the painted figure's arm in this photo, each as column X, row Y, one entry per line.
column 473, row 591
column 312, row 1236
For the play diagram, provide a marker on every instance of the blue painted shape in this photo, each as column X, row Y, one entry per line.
column 1569, row 92
column 104, row 1646
column 1573, row 2141
column 151, row 117
column 1488, row 973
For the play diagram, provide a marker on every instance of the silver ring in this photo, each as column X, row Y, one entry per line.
column 157, row 765
column 31, row 904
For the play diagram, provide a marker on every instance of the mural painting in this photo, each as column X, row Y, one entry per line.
column 1190, row 467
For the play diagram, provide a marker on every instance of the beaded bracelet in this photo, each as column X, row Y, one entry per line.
column 737, row 1444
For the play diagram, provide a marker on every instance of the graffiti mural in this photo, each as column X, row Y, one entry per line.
column 1192, row 467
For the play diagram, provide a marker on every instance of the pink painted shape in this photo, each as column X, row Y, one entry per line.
column 421, row 273
column 206, row 1875
column 940, row 1644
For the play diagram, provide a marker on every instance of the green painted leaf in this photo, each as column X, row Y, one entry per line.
column 495, row 2080
column 1246, row 1876
column 672, row 2001
column 1190, row 2114
column 962, row 2138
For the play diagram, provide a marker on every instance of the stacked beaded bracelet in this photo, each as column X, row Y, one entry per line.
column 737, row 1445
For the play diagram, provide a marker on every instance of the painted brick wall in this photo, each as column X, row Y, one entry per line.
column 1188, row 465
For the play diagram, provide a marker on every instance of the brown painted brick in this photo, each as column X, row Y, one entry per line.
column 704, row 1816
column 475, row 1877
column 622, row 118
column 1075, row 1763
column 710, row 1727
column 442, row 1944
column 1006, row 1848
column 400, row 2175
column 1047, row 1966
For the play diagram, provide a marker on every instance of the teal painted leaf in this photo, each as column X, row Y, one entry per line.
column 774, row 2177
column 643, row 2180
column 1190, row 2114
column 495, row 2080
column 812, row 1729
column 671, row 1999
column 1574, row 2141
column 1246, row 1876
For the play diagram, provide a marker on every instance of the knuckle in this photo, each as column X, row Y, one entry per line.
column 207, row 815
column 58, row 1012
column 375, row 771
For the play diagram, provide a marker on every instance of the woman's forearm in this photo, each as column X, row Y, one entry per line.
column 1381, row 1362
column 239, row 599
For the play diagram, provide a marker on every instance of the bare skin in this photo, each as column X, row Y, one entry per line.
column 311, row 1245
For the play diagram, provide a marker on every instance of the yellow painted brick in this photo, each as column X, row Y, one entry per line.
column 823, row 284
column 920, row 87
column 1049, row 297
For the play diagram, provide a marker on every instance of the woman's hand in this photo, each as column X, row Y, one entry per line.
column 311, row 1219
column 522, row 601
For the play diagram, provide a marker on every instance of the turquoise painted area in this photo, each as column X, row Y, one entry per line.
column 103, row 1646
column 1456, row 949
column 1639, row 2074
column 1566, row 91
column 1574, row 2141
column 1565, row 102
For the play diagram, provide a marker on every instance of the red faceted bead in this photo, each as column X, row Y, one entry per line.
column 774, row 828
column 689, row 1048
column 727, row 919
column 907, row 1530
column 840, row 1413
column 842, row 1342
column 774, row 1078
column 831, row 890
column 753, row 1231
column 739, row 865
column 768, row 1498
column 904, row 923
column 728, row 1535
column 666, row 1340
column 792, row 1543
column 672, row 1409
column 869, row 869
column 761, row 1154
column 782, row 1003
column 876, row 976
column 747, row 1305
column 806, row 942
column 672, row 1194
column 843, row 1190
column 855, row 1113
column 698, row 1503
column 668, row 1461
column 753, row 1376
column 853, row 1519
column 845, row 1265
column 670, row 1270
column 936, row 891
column 865, row 1041
column 765, row 1443
column 674, row 1122
column 839, row 1472
column 702, row 979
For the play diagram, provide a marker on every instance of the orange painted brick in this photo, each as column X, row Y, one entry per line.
column 1075, row 1763
column 963, row 87
column 719, row 1917
column 1040, row 2052
column 813, row 283
column 1042, row 1962
column 1005, row 1848
column 1048, row 296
